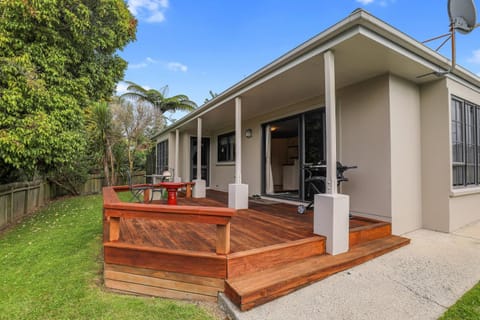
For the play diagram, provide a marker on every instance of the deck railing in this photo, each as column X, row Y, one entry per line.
column 114, row 210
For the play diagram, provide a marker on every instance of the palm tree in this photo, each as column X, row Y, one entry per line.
column 102, row 136
column 158, row 98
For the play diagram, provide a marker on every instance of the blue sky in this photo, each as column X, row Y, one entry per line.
column 195, row 46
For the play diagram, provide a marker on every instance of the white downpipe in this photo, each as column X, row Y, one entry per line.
column 330, row 106
column 238, row 140
column 199, row 148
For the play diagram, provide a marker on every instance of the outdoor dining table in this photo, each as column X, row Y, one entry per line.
column 172, row 188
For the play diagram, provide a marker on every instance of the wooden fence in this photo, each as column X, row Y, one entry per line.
column 21, row 198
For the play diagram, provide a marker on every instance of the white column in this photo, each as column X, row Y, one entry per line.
column 238, row 192
column 199, row 190
column 176, row 178
column 330, row 216
column 199, row 149
column 330, row 107
column 238, row 140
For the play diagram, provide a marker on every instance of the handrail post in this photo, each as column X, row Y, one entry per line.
column 114, row 230
column 223, row 238
column 146, row 195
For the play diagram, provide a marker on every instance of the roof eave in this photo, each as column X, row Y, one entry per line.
column 358, row 17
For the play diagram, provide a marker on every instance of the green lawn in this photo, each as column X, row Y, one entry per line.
column 50, row 268
column 467, row 308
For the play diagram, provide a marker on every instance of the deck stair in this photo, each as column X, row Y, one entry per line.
column 251, row 289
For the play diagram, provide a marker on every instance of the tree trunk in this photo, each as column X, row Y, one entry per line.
column 109, row 153
column 106, row 170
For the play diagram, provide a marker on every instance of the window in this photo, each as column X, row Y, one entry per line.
column 465, row 143
column 226, row 147
column 162, row 156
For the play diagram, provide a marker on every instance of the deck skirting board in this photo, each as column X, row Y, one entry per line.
column 161, row 284
column 167, row 275
column 134, row 288
column 196, row 264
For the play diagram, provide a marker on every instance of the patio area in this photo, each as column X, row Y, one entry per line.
column 271, row 249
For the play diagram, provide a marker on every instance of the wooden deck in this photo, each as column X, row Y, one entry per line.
column 272, row 251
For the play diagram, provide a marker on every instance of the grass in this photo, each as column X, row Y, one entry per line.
column 467, row 308
column 50, row 268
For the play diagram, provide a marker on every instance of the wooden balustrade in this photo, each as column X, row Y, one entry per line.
column 114, row 210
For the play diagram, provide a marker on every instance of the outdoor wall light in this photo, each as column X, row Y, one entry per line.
column 248, row 133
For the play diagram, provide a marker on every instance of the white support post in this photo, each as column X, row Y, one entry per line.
column 199, row 190
column 176, row 178
column 330, row 107
column 238, row 140
column 238, row 192
column 199, row 149
column 330, row 217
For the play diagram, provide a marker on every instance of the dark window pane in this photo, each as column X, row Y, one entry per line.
column 315, row 136
column 478, row 143
column 226, row 147
column 458, row 143
column 162, row 156
column 470, row 144
column 465, row 143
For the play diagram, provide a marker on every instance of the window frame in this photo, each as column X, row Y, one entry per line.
column 162, row 156
column 230, row 152
column 465, row 143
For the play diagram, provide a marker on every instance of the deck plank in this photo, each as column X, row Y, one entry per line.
column 259, row 226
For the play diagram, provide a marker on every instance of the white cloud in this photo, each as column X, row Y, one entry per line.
column 148, row 61
column 177, row 66
column 149, row 10
column 156, row 17
column 365, row 2
column 475, row 58
column 138, row 65
column 382, row 3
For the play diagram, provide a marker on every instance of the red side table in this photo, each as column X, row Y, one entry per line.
column 172, row 188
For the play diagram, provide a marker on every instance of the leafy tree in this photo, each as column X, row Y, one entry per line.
column 158, row 98
column 56, row 58
column 136, row 122
column 102, row 136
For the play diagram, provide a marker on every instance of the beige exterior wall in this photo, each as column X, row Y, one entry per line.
column 365, row 142
column 405, row 140
column 435, row 155
column 222, row 174
column 398, row 134
column 464, row 210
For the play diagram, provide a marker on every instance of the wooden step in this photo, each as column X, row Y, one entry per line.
column 371, row 231
column 255, row 260
column 250, row 290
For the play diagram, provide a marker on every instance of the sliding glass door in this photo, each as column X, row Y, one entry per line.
column 289, row 144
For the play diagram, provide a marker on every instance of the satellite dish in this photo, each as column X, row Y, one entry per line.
column 463, row 15
column 463, row 18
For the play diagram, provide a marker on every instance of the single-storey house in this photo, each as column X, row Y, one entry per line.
column 362, row 93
